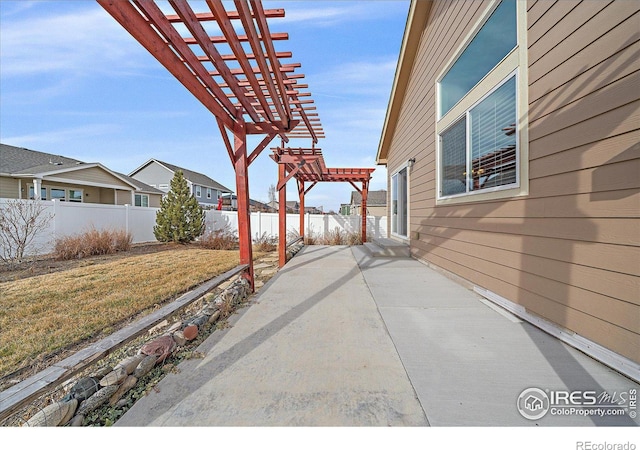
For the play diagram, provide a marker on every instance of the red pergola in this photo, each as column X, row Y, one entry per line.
column 228, row 61
column 307, row 165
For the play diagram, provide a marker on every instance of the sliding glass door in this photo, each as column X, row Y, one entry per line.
column 399, row 204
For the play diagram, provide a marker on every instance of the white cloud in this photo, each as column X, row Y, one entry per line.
column 337, row 12
column 75, row 43
column 60, row 136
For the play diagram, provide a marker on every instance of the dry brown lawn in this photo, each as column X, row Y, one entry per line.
column 45, row 314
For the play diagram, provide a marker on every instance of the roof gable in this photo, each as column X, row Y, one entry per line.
column 190, row 175
column 19, row 161
column 374, row 198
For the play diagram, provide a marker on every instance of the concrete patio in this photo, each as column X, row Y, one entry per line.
column 341, row 338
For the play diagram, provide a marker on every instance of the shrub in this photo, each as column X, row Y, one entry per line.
column 20, row 223
column 180, row 217
column 91, row 243
column 265, row 243
column 220, row 239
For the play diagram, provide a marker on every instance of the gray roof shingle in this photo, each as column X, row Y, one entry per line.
column 374, row 198
column 195, row 177
column 17, row 160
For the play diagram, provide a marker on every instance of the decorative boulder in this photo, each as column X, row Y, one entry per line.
column 161, row 347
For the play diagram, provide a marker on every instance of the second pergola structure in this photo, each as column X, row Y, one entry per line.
column 306, row 165
column 228, row 61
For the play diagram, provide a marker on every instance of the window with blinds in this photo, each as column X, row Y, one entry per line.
column 478, row 146
column 479, row 151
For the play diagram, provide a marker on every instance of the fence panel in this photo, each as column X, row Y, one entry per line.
column 71, row 218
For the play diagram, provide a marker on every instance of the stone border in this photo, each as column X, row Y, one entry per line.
column 22, row 393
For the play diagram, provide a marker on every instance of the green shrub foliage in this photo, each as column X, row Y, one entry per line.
column 180, row 218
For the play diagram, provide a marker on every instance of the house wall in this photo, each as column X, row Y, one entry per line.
column 8, row 187
column 568, row 251
column 91, row 175
column 154, row 174
column 203, row 200
column 378, row 211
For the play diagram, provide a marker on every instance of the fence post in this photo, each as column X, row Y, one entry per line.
column 259, row 224
column 126, row 218
column 55, row 218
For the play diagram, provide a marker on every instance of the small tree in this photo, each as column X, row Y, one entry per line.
column 180, row 218
column 21, row 221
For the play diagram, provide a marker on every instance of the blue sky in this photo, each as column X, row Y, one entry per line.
column 73, row 82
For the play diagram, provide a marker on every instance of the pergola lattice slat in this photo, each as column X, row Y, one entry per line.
column 250, row 92
column 307, row 165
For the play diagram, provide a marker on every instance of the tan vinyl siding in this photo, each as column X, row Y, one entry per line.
column 8, row 187
column 569, row 250
column 93, row 175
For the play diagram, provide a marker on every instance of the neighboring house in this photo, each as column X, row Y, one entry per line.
column 511, row 146
column 158, row 174
column 376, row 204
column 29, row 174
column 230, row 203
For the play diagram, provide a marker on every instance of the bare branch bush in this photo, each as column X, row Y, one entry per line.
column 21, row 222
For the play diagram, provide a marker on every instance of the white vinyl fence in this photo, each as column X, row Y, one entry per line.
column 73, row 218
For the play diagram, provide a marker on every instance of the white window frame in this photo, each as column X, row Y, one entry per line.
column 209, row 193
column 68, row 195
column 30, row 188
column 53, row 188
column 142, row 196
column 198, row 190
column 405, row 166
column 513, row 64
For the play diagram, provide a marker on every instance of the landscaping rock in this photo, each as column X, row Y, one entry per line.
column 53, row 415
column 130, row 363
column 190, row 332
column 178, row 336
column 158, row 327
column 145, row 366
column 97, row 400
column 161, row 347
column 84, row 388
column 127, row 384
column 214, row 316
column 70, row 413
column 77, row 421
column 101, row 372
column 175, row 327
column 199, row 320
column 116, row 376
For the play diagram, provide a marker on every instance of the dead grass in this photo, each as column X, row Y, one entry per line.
column 45, row 314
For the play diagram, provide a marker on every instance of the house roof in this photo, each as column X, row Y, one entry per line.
column 141, row 187
column 18, row 161
column 374, row 198
column 416, row 20
column 190, row 175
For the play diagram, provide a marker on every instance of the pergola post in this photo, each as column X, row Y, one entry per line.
column 363, row 209
column 301, row 201
column 241, row 167
column 282, row 215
